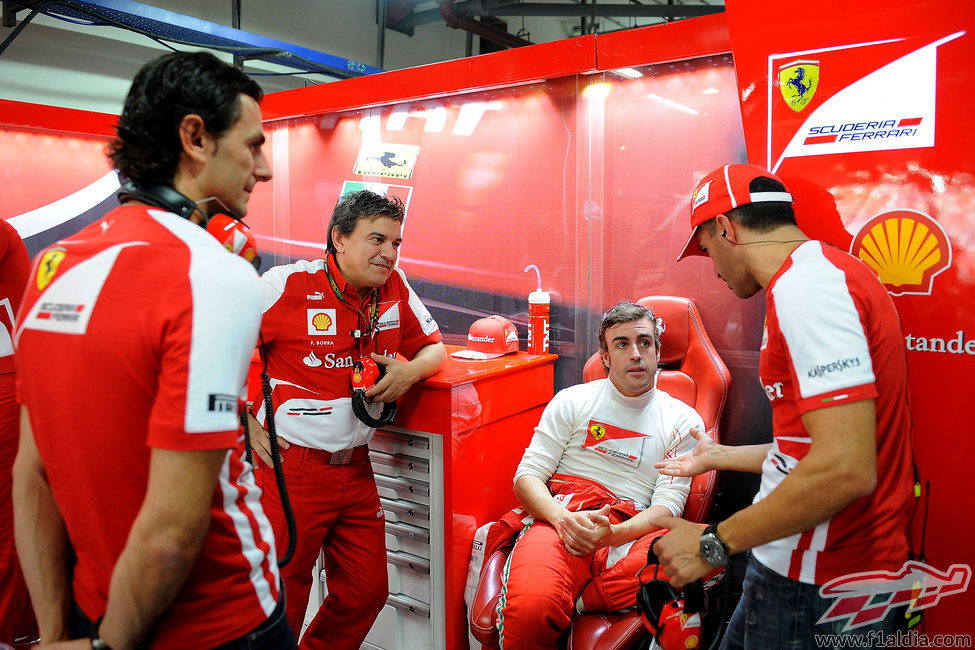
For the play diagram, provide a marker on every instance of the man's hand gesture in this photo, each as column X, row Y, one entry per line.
column 697, row 462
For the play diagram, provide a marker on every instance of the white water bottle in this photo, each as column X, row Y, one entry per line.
column 538, row 316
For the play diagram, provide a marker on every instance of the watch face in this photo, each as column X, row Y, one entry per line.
column 713, row 551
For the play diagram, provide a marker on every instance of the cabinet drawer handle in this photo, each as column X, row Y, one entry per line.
column 414, row 565
column 400, row 601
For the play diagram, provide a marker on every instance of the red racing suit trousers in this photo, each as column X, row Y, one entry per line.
column 542, row 582
column 16, row 614
column 337, row 512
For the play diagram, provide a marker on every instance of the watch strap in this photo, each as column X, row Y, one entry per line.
column 97, row 643
column 713, row 530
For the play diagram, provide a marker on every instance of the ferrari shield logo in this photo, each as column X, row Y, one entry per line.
column 390, row 160
column 797, row 83
column 48, row 267
column 597, row 431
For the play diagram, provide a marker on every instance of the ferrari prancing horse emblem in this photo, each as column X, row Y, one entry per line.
column 797, row 83
column 48, row 266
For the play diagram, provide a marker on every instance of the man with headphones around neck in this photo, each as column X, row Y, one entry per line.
column 321, row 317
column 836, row 480
column 138, row 520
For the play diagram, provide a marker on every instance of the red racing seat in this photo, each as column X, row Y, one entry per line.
column 690, row 370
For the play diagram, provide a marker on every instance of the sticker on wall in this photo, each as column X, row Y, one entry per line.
column 402, row 192
column 878, row 96
column 798, row 81
column 906, row 248
column 391, row 160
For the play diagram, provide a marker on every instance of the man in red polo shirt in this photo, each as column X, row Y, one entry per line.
column 320, row 317
column 138, row 521
column 836, row 480
column 16, row 615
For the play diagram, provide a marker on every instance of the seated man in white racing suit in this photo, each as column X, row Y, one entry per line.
column 589, row 483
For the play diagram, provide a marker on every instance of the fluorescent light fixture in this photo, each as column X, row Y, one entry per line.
column 673, row 104
column 710, row 91
column 597, row 91
column 629, row 73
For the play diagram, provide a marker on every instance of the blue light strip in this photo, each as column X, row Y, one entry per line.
column 168, row 25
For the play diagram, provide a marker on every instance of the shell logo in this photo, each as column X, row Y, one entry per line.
column 906, row 248
column 321, row 322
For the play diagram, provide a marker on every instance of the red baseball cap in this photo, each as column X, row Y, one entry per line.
column 723, row 190
column 489, row 338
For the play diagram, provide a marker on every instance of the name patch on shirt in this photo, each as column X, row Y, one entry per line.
column 618, row 444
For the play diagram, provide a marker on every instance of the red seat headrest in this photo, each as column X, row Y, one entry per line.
column 691, row 371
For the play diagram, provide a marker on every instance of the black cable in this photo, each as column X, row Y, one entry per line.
column 913, row 619
column 644, row 641
column 289, row 515
column 916, row 470
column 924, row 522
column 248, row 450
column 724, row 616
column 272, row 435
column 19, row 28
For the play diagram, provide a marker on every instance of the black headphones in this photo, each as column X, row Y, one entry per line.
column 160, row 196
column 653, row 595
column 365, row 373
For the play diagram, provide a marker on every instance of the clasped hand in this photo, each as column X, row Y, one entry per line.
column 585, row 531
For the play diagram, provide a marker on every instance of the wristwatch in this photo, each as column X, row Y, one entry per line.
column 97, row 643
column 713, row 549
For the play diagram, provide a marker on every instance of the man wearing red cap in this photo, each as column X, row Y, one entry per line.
column 320, row 317
column 588, row 480
column 833, row 365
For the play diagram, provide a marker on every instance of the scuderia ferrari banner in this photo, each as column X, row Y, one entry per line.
column 876, row 96
column 873, row 103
